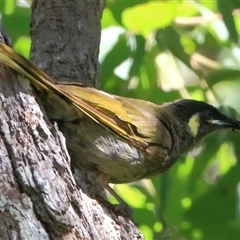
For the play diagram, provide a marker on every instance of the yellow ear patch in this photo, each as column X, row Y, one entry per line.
column 194, row 124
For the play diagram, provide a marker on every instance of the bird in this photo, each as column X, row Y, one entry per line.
column 118, row 139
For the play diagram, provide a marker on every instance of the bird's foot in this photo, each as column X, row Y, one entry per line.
column 123, row 209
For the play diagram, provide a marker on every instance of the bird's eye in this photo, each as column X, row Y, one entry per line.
column 209, row 114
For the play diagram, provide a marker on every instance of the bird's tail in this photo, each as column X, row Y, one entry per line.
column 25, row 68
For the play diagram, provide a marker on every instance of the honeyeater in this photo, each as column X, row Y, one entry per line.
column 118, row 139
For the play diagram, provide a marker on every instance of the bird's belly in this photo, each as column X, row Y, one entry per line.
column 121, row 162
column 97, row 150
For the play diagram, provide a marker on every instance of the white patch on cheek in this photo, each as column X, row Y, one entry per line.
column 193, row 124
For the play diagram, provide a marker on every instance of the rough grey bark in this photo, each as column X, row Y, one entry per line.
column 39, row 196
column 66, row 37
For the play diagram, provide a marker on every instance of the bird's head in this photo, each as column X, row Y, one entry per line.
column 201, row 118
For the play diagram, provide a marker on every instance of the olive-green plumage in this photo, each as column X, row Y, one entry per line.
column 119, row 139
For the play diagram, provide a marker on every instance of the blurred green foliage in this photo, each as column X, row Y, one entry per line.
column 160, row 51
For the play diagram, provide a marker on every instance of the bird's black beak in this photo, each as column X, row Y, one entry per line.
column 226, row 122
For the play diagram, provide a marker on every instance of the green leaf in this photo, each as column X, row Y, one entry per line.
column 172, row 42
column 228, row 93
column 138, row 55
column 117, row 7
column 144, row 18
column 13, row 25
column 226, row 10
column 214, row 212
column 108, row 19
column 187, row 8
column 223, row 75
column 115, row 57
column 22, row 45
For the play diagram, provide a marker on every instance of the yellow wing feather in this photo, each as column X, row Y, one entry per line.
column 103, row 108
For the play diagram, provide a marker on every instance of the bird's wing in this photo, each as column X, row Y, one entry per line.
column 105, row 109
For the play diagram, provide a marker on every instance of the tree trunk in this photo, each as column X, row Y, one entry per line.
column 40, row 197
